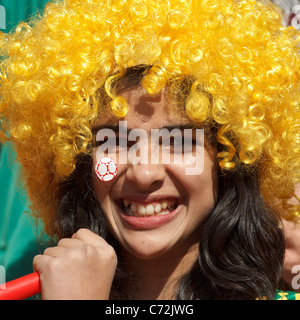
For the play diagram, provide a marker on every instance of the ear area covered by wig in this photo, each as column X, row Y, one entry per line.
column 59, row 75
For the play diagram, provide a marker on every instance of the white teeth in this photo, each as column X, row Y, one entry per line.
column 164, row 205
column 133, row 208
column 141, row 210
column 157, row 208
column 163, row 212
column 149, row 210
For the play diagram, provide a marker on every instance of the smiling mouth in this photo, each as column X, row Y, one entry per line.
column 155, row 208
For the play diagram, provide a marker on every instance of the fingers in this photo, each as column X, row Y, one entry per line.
column 40, row 261
column 89, row 237
column 69, row 243
column 81, row 237
column 62, row 245
column 69, row 270
column 94, row 241
column 54, row 252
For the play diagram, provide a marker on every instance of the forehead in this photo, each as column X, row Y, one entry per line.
column 148, row 111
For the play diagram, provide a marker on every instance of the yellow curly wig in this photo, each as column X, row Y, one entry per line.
column 238, row 52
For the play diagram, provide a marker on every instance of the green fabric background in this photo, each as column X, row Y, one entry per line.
column 21, row 237
column 20, row 10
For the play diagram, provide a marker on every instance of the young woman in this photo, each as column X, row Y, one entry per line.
column 134, row 68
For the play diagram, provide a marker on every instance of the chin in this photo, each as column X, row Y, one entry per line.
column 146, row 250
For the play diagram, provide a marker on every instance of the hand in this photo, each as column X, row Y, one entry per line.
column 79, row 268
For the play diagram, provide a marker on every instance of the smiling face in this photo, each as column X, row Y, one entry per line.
column 153, row 209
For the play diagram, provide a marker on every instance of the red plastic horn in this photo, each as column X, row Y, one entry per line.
column 21, row 288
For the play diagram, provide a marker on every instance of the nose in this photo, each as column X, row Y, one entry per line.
column 146, row 176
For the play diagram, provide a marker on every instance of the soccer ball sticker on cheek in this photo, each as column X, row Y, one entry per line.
column 106, row 169
column 159, row 144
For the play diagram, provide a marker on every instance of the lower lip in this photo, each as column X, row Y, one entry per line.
column 152, row 222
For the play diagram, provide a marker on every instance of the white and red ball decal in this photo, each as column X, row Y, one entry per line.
column 106, row 169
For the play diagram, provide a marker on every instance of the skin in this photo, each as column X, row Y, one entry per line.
column 80, row 268
column 71, row 268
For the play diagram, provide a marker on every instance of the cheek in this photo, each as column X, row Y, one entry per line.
column 202, row 192
column 104, row 189
column 202, row 198
column 201, row 189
